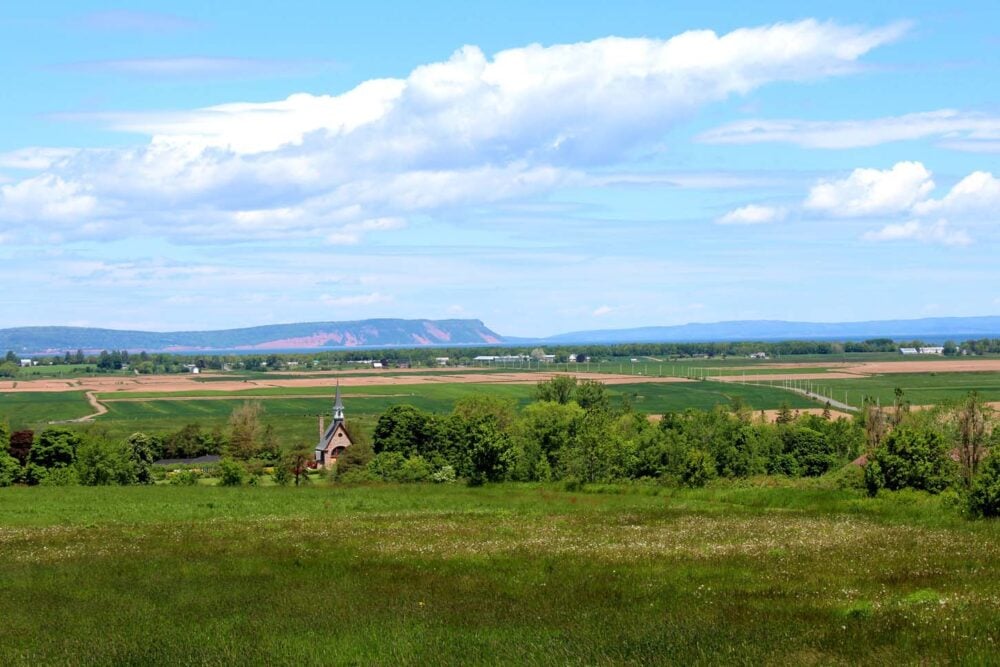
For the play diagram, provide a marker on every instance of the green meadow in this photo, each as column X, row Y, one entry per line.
column 508, row 574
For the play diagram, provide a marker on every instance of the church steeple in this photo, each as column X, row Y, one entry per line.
column 338, row 406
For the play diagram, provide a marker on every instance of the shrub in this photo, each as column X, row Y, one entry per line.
column 699, row 468
column 984, row 497
column 282, row 476
column 414, row 469
column 10, row 469
column 231, row 473
column 444, row 475
column 65, row 476
column 183, row 478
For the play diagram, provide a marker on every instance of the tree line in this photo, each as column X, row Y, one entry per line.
column 572, row 433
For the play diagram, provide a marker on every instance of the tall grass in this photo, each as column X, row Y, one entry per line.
column 510, row 574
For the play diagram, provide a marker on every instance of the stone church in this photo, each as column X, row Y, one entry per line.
column 333, row 440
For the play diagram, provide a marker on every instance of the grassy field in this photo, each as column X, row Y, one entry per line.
column 30, row 409
column 497, row 575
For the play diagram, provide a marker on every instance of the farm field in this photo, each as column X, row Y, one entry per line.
column 918, row 388
column 292, row 403
column 507, row 574
column 293, row 414
column 23, row 410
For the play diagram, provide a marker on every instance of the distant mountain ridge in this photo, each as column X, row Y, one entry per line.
column 416, row 333
column 306, row 335
column 773, row 330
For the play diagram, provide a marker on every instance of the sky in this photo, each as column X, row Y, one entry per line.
column 543, row 167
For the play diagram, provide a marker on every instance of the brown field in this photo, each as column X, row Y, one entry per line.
column 947, row 366
column 183, row 383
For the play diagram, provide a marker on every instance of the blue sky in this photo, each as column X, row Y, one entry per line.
column 544, row 167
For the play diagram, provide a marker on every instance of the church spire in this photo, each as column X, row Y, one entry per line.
column 338, row 406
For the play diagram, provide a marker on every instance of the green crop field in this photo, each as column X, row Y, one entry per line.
column 27, row 410
column 497, row 575
column 293, row 411
column 919, row 388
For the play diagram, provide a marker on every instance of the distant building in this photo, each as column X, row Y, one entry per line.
column 335, row 439
column 759, row 355
column 26, row 363
column 376, row 364
column 441, row 361
column 931, row 349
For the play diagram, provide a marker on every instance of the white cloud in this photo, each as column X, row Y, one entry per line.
column 979, row 192
column 872, row 191
column 752, row 214
column 940, row 232
column 46, row 198
column 601, row 311
column 35, row 158
column 958, row 130
column 468, row 131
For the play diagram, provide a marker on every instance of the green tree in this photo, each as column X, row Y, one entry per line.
column 141, row 451
column 54, row 448
column 557, row 390
column 407, row 430
column 10, row 469
column 592, row 395
column 910, row 457
column 984, row 497
column 245, row 431
column 298, row 461
column 101, row 463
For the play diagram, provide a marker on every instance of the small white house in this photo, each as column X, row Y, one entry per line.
column 441, row 361
column 27, row 363
column 908, row 350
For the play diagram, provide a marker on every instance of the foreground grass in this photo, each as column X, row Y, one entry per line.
column 499, row 575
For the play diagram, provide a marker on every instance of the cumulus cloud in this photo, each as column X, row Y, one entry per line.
column 601, row 311
column 940, row 232
column 903, row 191
column 872, row 191
column 752, row 214
column 956, row 129
column 979, row 192
column 470, row 130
